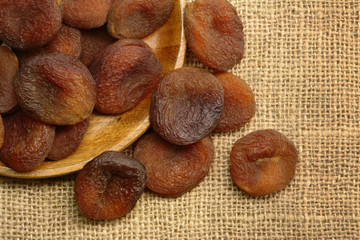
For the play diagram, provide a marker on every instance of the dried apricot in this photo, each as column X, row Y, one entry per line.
column 8, row 67
column 86, row 13
column 1, row 132
column 125, row 73
column 186, row 105
column 239, row 102
column 109, row 186
column 137, row 18
column 67, row 139
column 173, row 170
column 26, row 24
column 93, row 42
column 263, row 162
column 26, row 141
column 214, row 33
column 56, row 88
column 67, row 41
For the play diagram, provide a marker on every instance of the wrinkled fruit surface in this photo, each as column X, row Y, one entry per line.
column 214, row 33
column 239, row 103
column 67, row 41
column 8, row 67
column 173, row 170
column 93, row 42
column 68, row 139
column 137, row 18
column 1, row 132
column 125, row 73
column 56, row 88
column 26, row 24
column 109, row 186
column 86, row 13
column 26, row 142
column 263, row 162
column 186, row 106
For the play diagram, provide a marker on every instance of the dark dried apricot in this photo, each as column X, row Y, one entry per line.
column 8, row 67
column 67, row 139
column 26, row 141
column 67, row 41
column 56, row 88
column 186, row 106
column 26, row 24
column 125, row 73
column 86, row 13
column 214, row 33
column 239, row 103
column 1, row 132
column 93, row 42
column 137, row 18
column 263, row 162
column 173, row 170
column 109, row 186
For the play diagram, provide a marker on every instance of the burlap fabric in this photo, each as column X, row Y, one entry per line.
column 302, row 62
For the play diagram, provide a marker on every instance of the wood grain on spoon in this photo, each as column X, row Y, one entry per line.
column 116, row 132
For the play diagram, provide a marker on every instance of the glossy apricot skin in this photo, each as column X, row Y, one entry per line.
column 56, row 89
column 26, row 24
column 1, row 132
column 26, row 142
column 173, row 170
column 93, row 42
column 109, row 186
column 239, row 102
column 125, row 73
column 263, row 162
column 9, row 66
column 214, row 33
column 68, row 139
column 86, row 13
column 186, row 106
column 67, row 41
column 137, row 18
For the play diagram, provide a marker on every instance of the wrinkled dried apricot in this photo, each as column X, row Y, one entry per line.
column 26, row 24
column 137, row 18
column 1, row 132
column 26, row 141
column 186, row 105
column 56, row 88
column 8, row 67
column 239, row 103
column 67, row 41
column 125, row 73
column 109, row 186
column 93, row 42
column 67, row 139
column 173, row 170
column 214, row 33
column 263, row 162
column 86, row 13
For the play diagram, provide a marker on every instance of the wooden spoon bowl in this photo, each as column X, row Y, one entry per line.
column 116, row 132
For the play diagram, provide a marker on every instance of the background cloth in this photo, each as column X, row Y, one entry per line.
column 302, row 62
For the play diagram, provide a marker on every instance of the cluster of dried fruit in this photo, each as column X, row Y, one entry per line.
column 66, row 71
column 59, row 63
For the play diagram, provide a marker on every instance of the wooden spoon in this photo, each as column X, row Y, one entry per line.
column 116, row 132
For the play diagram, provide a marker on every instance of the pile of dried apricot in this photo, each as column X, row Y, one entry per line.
column 60, row 62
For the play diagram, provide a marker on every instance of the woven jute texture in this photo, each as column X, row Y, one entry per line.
column 302, row 62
